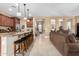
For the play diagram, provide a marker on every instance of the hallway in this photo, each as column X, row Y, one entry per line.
column 43, row 47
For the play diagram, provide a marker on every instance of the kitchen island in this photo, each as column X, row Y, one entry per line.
column 7, row 40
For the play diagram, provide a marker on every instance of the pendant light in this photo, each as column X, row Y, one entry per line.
column 18, row 13
column 28, row 20
column 25, row 12
column 29, row 16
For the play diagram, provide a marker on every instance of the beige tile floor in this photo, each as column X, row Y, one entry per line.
column 42, row 47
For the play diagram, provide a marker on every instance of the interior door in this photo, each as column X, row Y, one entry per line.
column 77, row 30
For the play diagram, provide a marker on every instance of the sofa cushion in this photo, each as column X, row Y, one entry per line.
column 71, row 39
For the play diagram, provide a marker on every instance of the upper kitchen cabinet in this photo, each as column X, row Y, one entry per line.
column 6, row 21
column 30, row 23
column 3, row 20
column 10, row 22
column 16, row 20
column 0, row 19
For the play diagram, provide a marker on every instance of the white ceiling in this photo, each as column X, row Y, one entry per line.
column 44, row 9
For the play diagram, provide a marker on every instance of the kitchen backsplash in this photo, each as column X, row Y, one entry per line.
column 4, row 29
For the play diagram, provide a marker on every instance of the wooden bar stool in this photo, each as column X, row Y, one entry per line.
column 21, row 45
column 28, row 41
column 24, row 45
column 17, row 47
column 31, row 38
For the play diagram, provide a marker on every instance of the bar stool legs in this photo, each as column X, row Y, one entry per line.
column 14, row 50
column 22, row 49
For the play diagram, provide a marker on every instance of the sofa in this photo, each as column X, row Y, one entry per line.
column 66, row 44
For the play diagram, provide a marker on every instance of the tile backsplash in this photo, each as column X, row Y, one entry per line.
column 4, row 29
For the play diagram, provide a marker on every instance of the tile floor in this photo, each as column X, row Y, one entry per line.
column 42, row 47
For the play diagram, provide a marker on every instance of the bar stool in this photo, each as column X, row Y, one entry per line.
column 24, row 45
column 28, row 41
column 20, row 46
column 17, row 47
column 31, row 38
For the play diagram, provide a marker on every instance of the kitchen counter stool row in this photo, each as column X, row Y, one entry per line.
column 21, row 45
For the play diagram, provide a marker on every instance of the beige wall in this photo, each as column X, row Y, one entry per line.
column 47, row 25
column 57, row 22
column 65, row 22
column 73, row 25
column 23, row 22
column 34, row 26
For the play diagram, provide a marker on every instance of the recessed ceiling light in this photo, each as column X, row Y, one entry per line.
column 16, row 4
column 10, row 9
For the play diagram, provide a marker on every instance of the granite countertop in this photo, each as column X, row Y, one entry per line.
column 12, row 33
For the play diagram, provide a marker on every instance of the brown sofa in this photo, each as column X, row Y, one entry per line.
column 64, row 45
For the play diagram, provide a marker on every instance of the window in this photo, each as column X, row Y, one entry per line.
column 53, row 21
column 60, row 22
column 69, row 24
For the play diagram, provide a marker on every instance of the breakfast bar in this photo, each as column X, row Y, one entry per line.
column 7, row 42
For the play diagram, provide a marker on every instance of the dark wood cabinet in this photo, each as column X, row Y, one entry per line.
column 12, row 22
column 0, row 19
column 4, row 18
column 9, row 21
column 30, row 23
column 15, row 22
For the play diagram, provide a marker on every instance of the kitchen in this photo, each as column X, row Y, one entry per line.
column 12, row 28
